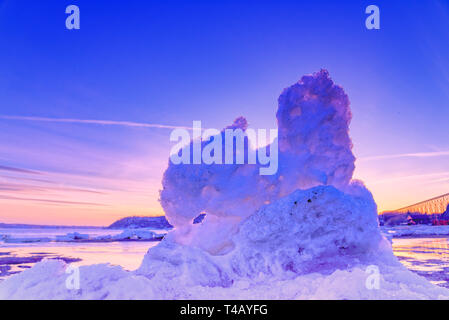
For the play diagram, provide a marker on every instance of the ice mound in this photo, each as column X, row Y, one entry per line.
column 317, row 230
column 307, row 232
column 320, row 229
column 73, row 236
column 314, row 149
column 135, row 234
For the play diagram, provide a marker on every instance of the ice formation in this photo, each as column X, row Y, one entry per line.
column 309, row 231
column 135, row 234
column 72, row 236
column 314, row 149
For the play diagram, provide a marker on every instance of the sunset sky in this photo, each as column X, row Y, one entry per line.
column 135, row 67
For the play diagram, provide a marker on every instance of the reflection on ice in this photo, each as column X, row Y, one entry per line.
column 16, row 256
column 129, row 255
column 429, row 257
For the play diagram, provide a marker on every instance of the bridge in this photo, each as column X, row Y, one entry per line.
column 436, row 205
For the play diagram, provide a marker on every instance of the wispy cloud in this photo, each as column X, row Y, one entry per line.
column 26, row 179
column 95, row 122
column 439, row 180
column 37, row 188
column 18, row 170
column 407, row 155
column 412, row 177
column 50, row 201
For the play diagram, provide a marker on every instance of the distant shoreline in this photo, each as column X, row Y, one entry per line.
column 133, row 222
column 37, row 226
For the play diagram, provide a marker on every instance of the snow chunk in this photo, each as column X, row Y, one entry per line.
column 73, row 236
column 316, row 230
column 136, row 234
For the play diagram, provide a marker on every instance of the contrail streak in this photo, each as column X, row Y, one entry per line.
column 97, row 122
column 407, row 155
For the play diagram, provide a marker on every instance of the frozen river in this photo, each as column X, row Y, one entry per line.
column 16, row 257
column 427, row 256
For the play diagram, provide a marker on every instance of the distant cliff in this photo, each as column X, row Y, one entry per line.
column 141, row 222
column 148, row 222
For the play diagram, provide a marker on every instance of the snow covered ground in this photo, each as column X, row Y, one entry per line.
column 307, row 232
column 426, row 256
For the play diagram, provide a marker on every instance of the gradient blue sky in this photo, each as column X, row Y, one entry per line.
column 172, row 62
